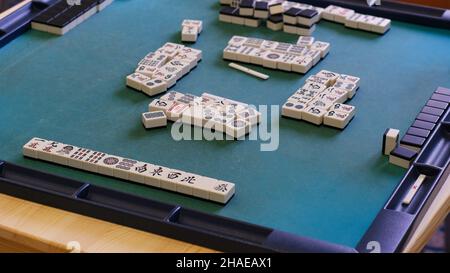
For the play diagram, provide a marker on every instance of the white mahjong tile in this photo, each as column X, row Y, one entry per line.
column 139, row 172
column 348, row 78
column 313, row 86
column 305, row 41
column 237, row 128
column 269, row 45
column 333, row 95
column 286, row 62
column 314, row 54
column 231, row 52
column 62, row 154
column 237, row 40
column 154, row 86
column 107, row 164
column 332, row 76
column 123, row 168
column 293, row 109
column 250, row 114
column 271, row 59
column 257, row 56
column 317, row 79
column 220, row 191
column 336, row 119
column 253, row 42
column 135, row 80
column 166, row 177
column 175, row 112
column 47, row 151
column 323, row 47
column 31, row 148
column 321, row 103
column 76, row 158
column 314, row 114
column 90, row 163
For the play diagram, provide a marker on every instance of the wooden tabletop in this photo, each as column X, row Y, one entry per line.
column 30, row 227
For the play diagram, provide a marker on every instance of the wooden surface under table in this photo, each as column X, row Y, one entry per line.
column 30, row 227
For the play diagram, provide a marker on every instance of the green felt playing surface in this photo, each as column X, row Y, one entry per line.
column 320, row 182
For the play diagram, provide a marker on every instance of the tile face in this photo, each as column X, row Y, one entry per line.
column 337, row 119
column 347, row 86
column 314, row 115
column 166, row 177
column 62, row 154
column 133, row 170
column 390, row 140
column 440, row 97
column 402, row 157
column 413, row 140
column 77, row 157
column 220, row 191
column 154, row 119
column 159, row 105
column 331, row 76
column 91, row 162
column 139, row 172
column 323, row 47
column 106, row 166
column 443, row 91
column 313, row 86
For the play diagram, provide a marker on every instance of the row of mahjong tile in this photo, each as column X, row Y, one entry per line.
column 355, row 20
column 292, row 17
column 233, row 118
column 160, row 70
column 298, row 58
column 321, row 100
column 129, row 169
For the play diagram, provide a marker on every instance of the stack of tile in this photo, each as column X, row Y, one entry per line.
column 321, row 100
column 160, row 70
column 290, row 17
column 276, row 55
column 233, row 118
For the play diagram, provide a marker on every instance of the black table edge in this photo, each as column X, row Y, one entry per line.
column 395, row 222
column 212, row 231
